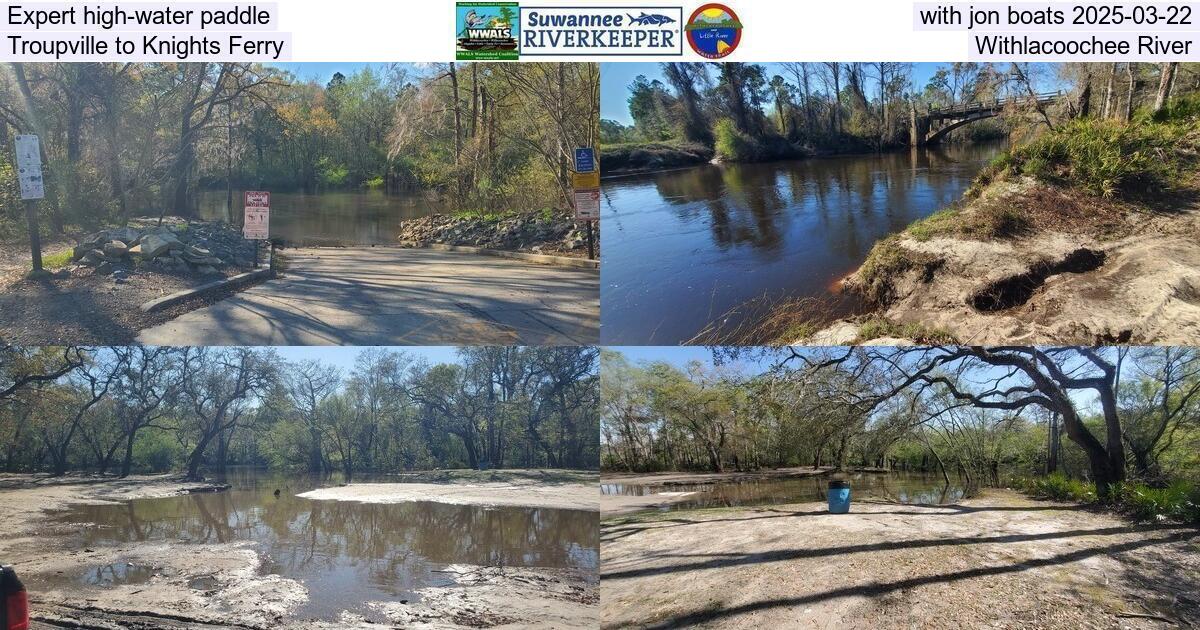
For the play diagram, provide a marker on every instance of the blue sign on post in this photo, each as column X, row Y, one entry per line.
column 585, row 160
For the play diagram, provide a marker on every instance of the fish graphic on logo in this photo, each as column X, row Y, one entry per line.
column 656, row 19
column 713, row 31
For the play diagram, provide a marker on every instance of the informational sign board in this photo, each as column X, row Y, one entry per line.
column 585, row 159
column 256, row 225
column 587, row 205
column 29, row 167
column 585, row 180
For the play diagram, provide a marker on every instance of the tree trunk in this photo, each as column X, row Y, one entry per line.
column 127, row 463
column 1165, row 81
column 1108, row 90
column 1129, row 96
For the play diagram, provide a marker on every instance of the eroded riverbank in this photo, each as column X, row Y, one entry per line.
column 150, row 551
column 1000, row 560
column 1070, row 269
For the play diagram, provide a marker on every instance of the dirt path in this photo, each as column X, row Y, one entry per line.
column 200, row 586
column 1001, row 560
column 15, row 257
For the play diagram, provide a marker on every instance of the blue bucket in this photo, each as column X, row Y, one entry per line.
column 839, row 497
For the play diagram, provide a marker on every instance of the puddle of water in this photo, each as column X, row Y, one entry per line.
column 909, row 488
column 119, row 572
column 345, row 553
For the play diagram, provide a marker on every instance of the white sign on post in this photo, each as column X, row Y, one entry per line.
column 587, row 204
column 256, row 224
column 29, row 167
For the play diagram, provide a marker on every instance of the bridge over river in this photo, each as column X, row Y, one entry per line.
column 933, row 125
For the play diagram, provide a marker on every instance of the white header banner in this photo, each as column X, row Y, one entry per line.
column 593, row 30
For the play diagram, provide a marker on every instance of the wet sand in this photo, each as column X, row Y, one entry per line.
column 565, row 490
column 222, row 585
column 1001, row 560
column 563, row 497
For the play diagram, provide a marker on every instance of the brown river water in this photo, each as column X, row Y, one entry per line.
column 895, row 487
column 682, row 248
column 333, row 218
column 345, row 553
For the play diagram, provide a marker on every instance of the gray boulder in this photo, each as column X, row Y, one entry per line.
column 126, row 235
column 155, row 245
column 115, row 249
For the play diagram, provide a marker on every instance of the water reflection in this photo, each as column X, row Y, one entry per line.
column 335, row 218
column 345, row 553
column 684, row 247
column 907, row 488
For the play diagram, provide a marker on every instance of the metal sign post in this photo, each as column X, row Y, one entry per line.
column 586, row 183
column 29, row 176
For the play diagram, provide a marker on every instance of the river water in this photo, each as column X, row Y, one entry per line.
column 345, row 553
column 683, row 248
column 896, row 487
column 333, row 218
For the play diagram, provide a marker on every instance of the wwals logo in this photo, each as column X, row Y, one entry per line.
column 714, row 31
column 486, row 30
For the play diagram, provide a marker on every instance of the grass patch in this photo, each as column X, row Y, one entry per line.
column 768, row 320
column 57, row 260
column 876, row 327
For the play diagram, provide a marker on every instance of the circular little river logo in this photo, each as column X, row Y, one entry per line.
column 714, row 31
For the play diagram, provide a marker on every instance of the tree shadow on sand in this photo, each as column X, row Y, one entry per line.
column 877, row 589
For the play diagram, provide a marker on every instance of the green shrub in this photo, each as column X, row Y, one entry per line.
column 1104, row 157
column 1058, row 487
column 733, row 145
column 1179, row 501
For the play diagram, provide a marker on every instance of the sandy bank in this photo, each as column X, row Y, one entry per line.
column 565, row 496
column 190, row 586
column 662, row 486
column 1117, row 277
column 234, row 593
column 1001, row 560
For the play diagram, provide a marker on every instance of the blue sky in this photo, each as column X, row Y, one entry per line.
column 343, row 357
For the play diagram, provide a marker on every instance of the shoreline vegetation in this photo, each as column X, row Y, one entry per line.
column 1083, row 232
column 1077, row 467
column 879, row 409
column 740, row 112
column 395, row 430
column 126, row 140
column 238, row 592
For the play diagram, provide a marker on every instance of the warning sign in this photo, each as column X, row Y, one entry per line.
column 587, row 205
column 585, row 180
column 256, row 224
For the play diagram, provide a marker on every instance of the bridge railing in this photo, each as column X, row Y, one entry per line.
column 996, row 103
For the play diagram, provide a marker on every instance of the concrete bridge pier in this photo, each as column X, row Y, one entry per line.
column 918, row 127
